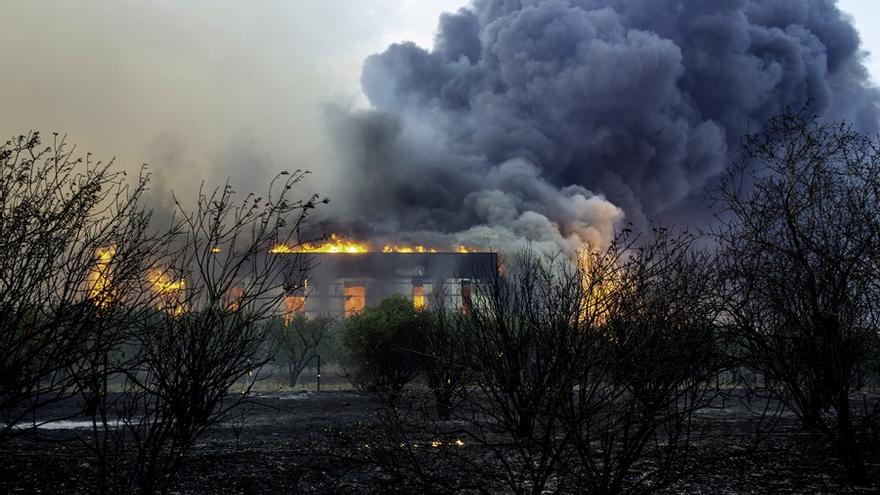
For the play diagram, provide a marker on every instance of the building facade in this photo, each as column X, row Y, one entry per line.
column 342, row 284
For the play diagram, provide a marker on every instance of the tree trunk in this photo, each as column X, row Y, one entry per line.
column 526, row 419
column 444, row 405
column 292, row 375
column 147, row 483
column 848, row 446
column 811, row 415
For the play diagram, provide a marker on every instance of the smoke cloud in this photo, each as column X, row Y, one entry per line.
column 544, row 121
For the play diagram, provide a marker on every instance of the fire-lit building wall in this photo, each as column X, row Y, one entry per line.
column 342, row 284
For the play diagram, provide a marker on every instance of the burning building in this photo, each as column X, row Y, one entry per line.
column 343, row 278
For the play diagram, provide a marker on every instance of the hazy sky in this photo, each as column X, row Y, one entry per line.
column 207, row 87
column 208, row 84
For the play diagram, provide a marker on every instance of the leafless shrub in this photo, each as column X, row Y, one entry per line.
column 196, row 353
column 444, row 364
column 582, row 376
column 649, row 364
column 74, row 246
column 799, row 239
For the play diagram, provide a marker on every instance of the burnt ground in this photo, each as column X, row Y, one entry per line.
column 310, row 442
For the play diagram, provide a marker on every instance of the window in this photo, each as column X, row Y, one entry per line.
column 418, row 297
column 293, row 305
column 355, row 299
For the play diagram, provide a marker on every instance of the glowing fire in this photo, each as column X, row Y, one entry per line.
column 164, row 284
column 600, row 286
column 100, row 277
column 355, row 299
column 390, row 248
column 293, row 305
column 168, row 290
column 401, row 248
column 335, row 244
column 282, row 249
column 418, row 297
column 234, row 297
column 341, row 244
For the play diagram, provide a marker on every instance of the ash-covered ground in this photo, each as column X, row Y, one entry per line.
column 318, row 442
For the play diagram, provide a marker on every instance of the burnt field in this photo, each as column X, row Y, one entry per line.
column 344, row 442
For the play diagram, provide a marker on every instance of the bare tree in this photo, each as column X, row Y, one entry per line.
column 74, row 246
column 648, row 365
column 800, row 244
column 444, row 365
column 524, row 338
column 198, row 351
column 583, row 376
column 526, row 331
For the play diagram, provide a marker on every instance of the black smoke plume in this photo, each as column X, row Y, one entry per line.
column 533, row 121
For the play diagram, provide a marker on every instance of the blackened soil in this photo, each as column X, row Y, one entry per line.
column 320, row 443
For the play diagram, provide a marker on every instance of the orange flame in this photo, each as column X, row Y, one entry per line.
column 169, row 291
column 391, row 248
column 100, row 277
column 335, row 244
column 599, row 284
column 164, row 284
column 355, row 299
column 340, row 244
column 418, row 297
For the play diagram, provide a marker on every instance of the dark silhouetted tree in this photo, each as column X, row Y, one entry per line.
column 74, row 253
column 198, row 352
column 799, row 243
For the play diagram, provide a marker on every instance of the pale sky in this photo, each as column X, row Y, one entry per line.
column 866, row 14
